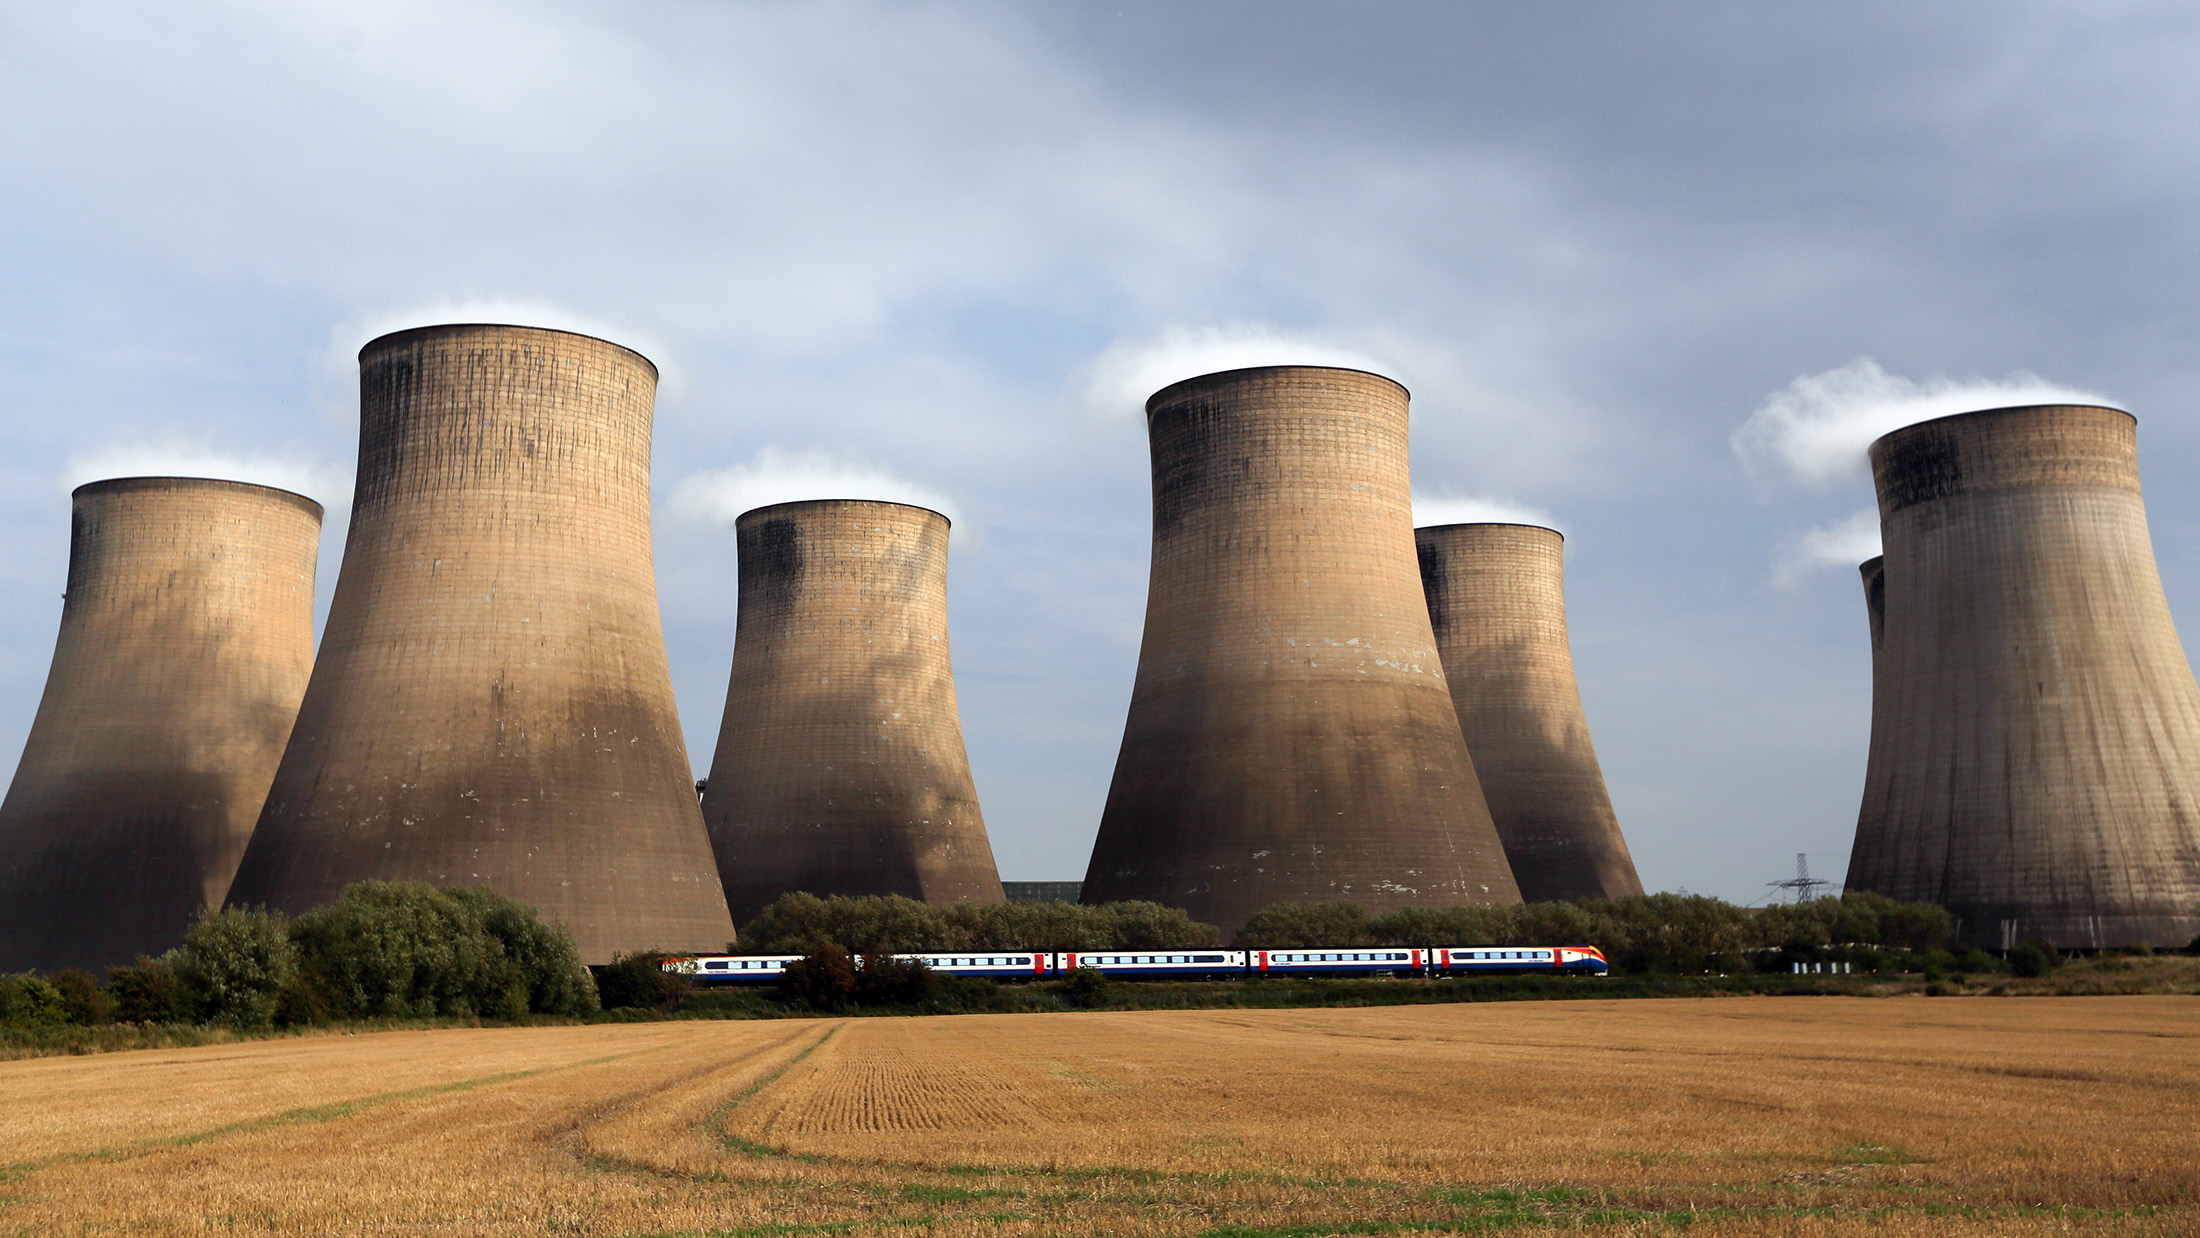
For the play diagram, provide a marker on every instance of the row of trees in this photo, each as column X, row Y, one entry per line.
column 805, row 923
column 1679, row 933
column 383, row 950
column 1643, row 934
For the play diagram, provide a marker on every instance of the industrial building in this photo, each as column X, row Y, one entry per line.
column 1290, row 735
column 1497, row 602
column 840, row 767
column 491, row 705
column 2035, row 746
column 186, row 639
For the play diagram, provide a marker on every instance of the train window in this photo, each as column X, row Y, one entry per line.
column 714, row 967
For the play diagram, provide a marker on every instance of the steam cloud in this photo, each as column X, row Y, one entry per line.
column 1117, row 382
column 337, row 377
column 1844, row 543
column 716, row 497
column 1431, row 509
column 1819, row 427
column 325, row 483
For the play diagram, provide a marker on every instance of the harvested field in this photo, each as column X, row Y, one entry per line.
column 1733, row 1116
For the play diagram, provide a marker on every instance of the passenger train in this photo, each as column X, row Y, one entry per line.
column 1188, row 964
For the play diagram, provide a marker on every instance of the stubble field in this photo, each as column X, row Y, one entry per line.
column 1723, row 1116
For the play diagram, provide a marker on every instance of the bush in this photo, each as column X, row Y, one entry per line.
column 234, row 962
column 27, row 1001
column 81, row 1001
column 884, row 980
column 406, row 949
column 639, row 981
column 149, row 991
column 2034, row 959
column 824, row 979
column 1087, row 987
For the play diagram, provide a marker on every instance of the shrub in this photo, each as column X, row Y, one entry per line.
column 407, row 949
column 1087, row 987
column 824, row 979
column 2034, row 959
column 81, row 1001
column 234, row 962
column 884, row 980
column 639, row 981
column 1970, row 959
column 27, row 1001
column 149, row 991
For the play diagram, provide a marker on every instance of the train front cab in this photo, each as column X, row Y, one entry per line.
column 731, row 968
column 1470, row 960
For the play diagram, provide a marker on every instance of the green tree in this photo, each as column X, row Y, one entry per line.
column 235, row 962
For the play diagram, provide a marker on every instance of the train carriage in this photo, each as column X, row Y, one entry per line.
column 732, row 968
column 1378, row 961
column 1184, row 964
column 992, row 964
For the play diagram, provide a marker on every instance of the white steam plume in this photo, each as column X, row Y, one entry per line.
column 298, row 471
column 1437, row 508
column 715, row 497
column 1818, row 428
column 1117, row 382
column 1843, row 543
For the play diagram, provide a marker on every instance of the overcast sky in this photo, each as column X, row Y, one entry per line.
column 1630, row 258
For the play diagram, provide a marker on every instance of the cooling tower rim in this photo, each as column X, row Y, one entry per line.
column 381, row 340
column 919, row 507
column 1156, row 397
column 1866, row 565
column 1488, row 524
column 152, row 481
column 1995, row 412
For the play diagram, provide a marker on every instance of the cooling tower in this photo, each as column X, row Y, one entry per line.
column 840, row 765
column 1290, row 736
column 2035, row 749
column 491, row 705
column 186, row 639
column 1497, row 599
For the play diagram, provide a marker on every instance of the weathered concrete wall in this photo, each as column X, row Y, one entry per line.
column 1874, row 572
column 1290, row 735
column 2035, row 750
column 840, row 765
column 186, row 639
column 491, row 705
column 1497, row 600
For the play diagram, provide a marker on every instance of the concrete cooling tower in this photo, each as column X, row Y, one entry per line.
column 186, row 639
column 1497, row 599
column 2035, row 748
column 840, row 765
column 1290, row 736
column 491, row 705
